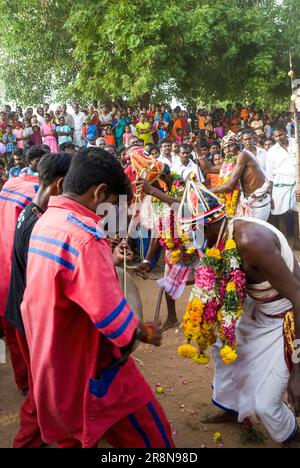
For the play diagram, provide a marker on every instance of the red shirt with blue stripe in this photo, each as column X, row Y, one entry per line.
column 15, row 195
column 76, row 320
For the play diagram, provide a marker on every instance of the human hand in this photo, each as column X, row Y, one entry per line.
column 143, row 186
column 121, row 250
column 152, row 333
column 298, row 196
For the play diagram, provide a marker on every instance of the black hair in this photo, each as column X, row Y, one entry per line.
column 154, row 148
column 53, row 166
column 66, row 145
column 121, row 150
column 185, row 146
column 215, row 143
column 18, row 152
column 279, row 127
column 46, row 147
column 36, row 151
column 165, row 140
column 95, row 166
column 247, row 131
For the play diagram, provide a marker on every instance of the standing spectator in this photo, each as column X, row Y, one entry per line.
column 119, row 127
column 35, row 137
column 143, row 130
column 105, row 120
column 40, row 116
column 89, row 132
column 63, row 131
column 78, row 118
column 27, row 131
column 19, row 163
column 268, row 129
column 68, row 117
column 219, row 131
column 19, row 134
column 48, row 132
column 109, row 137
column 249, row 144
column 126, row 136
column 281, row 172
column 257, row 124
column 10, row 140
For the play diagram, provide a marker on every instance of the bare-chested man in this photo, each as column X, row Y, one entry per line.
column 255, row 200
column 268, row 364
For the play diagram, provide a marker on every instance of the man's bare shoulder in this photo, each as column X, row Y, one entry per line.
column 255, row 239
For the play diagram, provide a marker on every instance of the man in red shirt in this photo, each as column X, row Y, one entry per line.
column 15, row 195
column 81, row 329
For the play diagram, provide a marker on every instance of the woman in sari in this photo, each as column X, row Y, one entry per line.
column 48, row 132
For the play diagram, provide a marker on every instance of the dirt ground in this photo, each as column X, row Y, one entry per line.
column 187, row 395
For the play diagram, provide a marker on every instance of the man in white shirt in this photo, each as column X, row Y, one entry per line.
column 78, row 118
column 166, row 156
column 68, row 117
column 249, row 145
column 185, row 166
column 281, row 172
column 105, row 119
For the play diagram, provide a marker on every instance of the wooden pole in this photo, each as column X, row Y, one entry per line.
column 297, row 136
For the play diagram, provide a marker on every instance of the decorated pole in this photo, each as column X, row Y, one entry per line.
column 295, row 85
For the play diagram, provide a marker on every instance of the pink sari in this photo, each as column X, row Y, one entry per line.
column 49, row 140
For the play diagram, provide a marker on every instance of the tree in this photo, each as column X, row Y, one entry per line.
column 129, row 50
column 36, row 49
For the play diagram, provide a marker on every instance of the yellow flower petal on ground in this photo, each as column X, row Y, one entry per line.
column 217, row 437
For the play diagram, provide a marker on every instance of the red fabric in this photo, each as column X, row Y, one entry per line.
column 17, row 361
column 11, row 205
column 29, row 434
column 147, row 427
column 80, row 290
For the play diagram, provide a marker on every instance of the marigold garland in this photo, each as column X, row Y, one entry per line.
column 230, row 199
column 215, row 304
column 178, row 245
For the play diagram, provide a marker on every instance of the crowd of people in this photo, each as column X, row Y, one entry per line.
column 161, row 131
column 70, row 347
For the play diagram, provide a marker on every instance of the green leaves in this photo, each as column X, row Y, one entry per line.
column 196, row 49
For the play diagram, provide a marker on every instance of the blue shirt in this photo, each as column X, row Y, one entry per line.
column 14, row 172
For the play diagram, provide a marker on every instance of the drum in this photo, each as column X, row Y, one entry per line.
column 132, row 294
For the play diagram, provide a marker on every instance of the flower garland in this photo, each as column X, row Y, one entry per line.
column 177, row 245
column 215, row 304
column 229, row 199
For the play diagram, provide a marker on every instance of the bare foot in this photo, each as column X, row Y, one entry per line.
column 170, row 324
column 217, row 418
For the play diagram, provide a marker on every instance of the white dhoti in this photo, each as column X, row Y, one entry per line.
column 284, row 194
column 77, row 138
column 255, row 384
column 257, row 204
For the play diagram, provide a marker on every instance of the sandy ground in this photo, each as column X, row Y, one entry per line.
column 187, row 395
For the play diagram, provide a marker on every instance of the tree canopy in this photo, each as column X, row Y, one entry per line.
column 208, row 49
